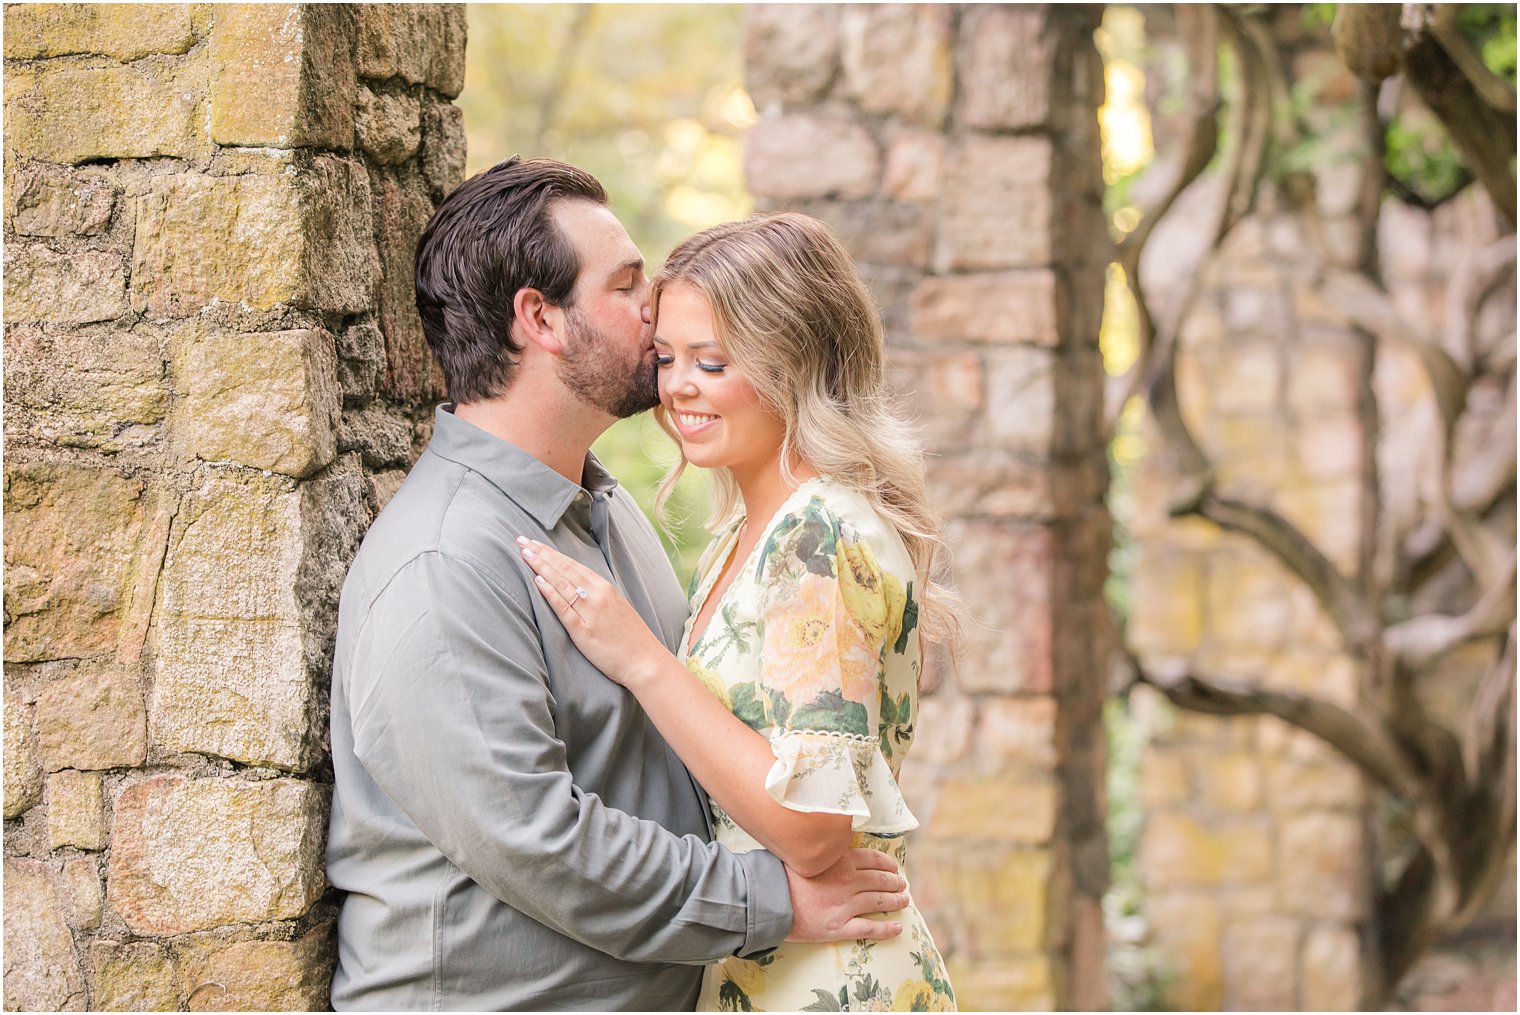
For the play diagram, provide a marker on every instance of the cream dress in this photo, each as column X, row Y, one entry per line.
column 815, row 646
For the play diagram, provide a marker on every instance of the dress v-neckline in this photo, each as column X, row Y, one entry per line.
column 690, row 640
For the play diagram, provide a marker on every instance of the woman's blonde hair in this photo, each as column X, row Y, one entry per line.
column 795, row 317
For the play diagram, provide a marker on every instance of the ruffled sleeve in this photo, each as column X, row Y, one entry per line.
column 838, row 773
column 827, row 613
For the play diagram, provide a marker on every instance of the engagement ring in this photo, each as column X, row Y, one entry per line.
column 580, row 593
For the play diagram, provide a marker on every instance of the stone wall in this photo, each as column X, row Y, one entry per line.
column 955, row 150
column 214, row 378
column 1257, row 840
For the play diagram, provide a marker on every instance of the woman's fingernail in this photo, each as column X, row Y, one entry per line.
column 527, row 553
column 522, row 540
column 539, row 579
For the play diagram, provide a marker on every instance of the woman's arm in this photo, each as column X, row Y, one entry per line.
column 727, row 757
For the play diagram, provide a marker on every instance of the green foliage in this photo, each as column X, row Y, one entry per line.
column 650, row 99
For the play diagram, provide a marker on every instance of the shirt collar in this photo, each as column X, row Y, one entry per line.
column 532, row 485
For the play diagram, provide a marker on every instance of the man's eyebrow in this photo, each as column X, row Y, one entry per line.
column 633, row 263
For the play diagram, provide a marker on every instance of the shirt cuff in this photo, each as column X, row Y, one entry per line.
column 770, row 904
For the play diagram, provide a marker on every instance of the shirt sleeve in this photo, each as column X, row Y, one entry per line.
column 828, row 612
column 453, row 719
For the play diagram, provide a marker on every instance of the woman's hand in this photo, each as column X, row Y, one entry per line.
column 608, row 631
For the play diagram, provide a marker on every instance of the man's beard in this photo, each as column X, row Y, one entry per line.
column 594, row 369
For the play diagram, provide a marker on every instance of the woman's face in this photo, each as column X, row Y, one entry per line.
column 720, row 418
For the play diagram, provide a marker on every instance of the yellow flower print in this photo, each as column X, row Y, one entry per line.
column 860, row 582
column 712, row 681
column 811, row 647
column 746, row 975
column 917, row 995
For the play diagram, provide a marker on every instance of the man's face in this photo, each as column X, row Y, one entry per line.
column 608, row 361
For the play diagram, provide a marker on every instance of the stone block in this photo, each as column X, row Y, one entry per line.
column 76, row 810
column 1178, row 849
column 419, row 43
column 389, row 125
column 791, row 52
column 361, row 359
column 1296, row 785
column 942, row 733
column 44, row 286
column 121, row 31
column 260, row 240
column 83, row 388
column 1332, row 969
column 201, row 239
column 1331, row 446
column 410, row 374
column 897, row 59
column 942, row 392
column 72, row 537
column 1322, row 378
column 282, row 76
column 1186, row 931
column 1007, row 984
column 1005, row 308
column 381, row 438
column 1324, row 876
column 915, row 165
column 1005, row 571
column 1248, row 604
column 1166, row 604
column 383, row 486
column 134, row 976
column 1003, row 896
column 1261, row 964
column 797, row 156
column 268, row 401
column 232, row 676
column 191, row 854
column 897, row 235
column 443, row 147
column 262, row 975
column 1230, row 782
column 996, row 205
column 45, row 203
column 81, row 883
column 1010, row 808
column 41, row 966
column 1021, row 399
column 1005, row 67
column 1021, row 730
column 23, row 762
column 1163, row 778
column 72, row 113
column 93, row 721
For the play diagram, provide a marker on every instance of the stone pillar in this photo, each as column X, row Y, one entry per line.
column 955, row 150
column 214, row 377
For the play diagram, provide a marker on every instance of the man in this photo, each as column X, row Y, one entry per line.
column 511, row 830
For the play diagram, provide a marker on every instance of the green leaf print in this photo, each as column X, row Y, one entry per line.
column 730, row 633
column 825, row 1002
column 910, row 621
column 748, row 706
column 732, row 998
column 830, row 713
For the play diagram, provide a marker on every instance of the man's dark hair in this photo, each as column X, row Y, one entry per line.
column 492, row 236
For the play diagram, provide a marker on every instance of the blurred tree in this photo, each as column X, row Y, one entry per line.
column 1438, row 565
column 650, row 99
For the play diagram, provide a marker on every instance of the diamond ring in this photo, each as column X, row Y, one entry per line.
column 580, row 593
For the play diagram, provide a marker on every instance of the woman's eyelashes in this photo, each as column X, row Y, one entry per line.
column 663, row 361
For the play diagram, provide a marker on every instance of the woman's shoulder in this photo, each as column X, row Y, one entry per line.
column 824, row 513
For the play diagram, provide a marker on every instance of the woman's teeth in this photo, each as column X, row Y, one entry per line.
column 692, row 419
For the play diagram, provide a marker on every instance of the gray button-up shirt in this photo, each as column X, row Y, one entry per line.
column 511, row 830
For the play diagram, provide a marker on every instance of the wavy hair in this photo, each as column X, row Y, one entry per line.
column 793, row 314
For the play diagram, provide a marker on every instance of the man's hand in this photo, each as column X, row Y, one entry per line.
column 833, row 905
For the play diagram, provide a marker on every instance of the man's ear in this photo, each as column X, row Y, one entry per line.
column 537, row 321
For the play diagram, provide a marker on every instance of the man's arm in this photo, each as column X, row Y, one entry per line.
column 453, row 719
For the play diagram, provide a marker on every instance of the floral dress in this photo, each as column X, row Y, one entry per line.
column 815, row 646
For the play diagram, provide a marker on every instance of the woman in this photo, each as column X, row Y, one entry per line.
column 796, row 701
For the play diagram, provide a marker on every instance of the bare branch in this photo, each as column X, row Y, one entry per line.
column 1420, row 640
column 1491, row 88
column 1359, row 738
column 1279, row 537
